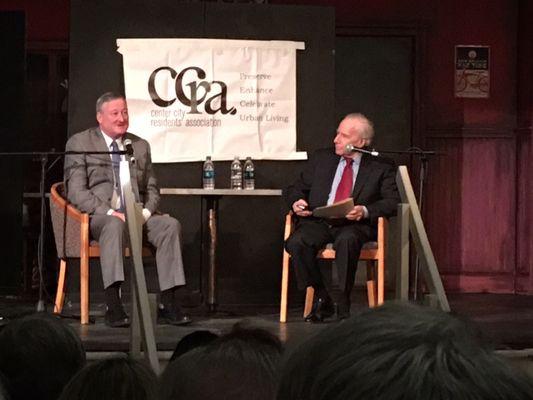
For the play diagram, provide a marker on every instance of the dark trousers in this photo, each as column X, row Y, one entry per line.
column 311, row 235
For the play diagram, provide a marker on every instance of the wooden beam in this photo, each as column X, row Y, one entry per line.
column 134, row 223
column 399, row 250
column 420, row 239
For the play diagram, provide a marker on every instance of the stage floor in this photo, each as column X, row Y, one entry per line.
column 507, row 320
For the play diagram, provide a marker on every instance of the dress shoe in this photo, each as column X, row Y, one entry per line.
column 342, row 310
column 322, row 308
column 172, row 316
column 116, row 317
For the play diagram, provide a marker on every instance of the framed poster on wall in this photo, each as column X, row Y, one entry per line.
column 472, row 71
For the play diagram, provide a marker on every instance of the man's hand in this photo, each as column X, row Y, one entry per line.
column 119, row 215
column 356, row 214
column 146, row 214
column 300, row 208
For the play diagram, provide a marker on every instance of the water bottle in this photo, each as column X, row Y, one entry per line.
column 208, row 174
column 236, row 174
column 249, row 174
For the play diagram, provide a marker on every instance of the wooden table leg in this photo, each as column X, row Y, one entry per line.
column 212, row 205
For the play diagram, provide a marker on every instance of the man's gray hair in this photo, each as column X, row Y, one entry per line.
column 106, row 97
column 368, row 127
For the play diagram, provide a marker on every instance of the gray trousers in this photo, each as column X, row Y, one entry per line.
column 162, row 231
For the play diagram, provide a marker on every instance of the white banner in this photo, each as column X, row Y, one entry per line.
column 191, row 98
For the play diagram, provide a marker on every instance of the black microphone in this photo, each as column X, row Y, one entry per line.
column 350, row 148
column 129, row 149
column 128, row 146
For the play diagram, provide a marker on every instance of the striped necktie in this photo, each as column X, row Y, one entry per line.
column 115, row 161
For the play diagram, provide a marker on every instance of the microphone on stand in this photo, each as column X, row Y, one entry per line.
column 129, row 149
column 350, row 148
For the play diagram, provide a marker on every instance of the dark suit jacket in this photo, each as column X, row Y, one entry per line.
column 375, row 185
column 89, row 178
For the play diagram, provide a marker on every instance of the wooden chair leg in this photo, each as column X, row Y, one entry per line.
column 381, row 280
column 371, row 288
column 309, row 295
column 382, row 234
column 84, row 290
column 84, row 287
column 285, row 271
column 284, row 288
column 60, row 294
column 84, row 270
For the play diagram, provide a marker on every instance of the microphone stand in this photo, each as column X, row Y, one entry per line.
column 424, row 161
column 422, row 175
column 40, row 252
column 43, row 156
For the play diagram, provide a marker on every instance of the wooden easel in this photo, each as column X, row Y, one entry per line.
column 409, row 220
column 142, row 326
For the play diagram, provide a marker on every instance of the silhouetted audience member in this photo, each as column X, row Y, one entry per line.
column 400, row 352
column 3, row 388
column 243, row 364
column 38, row 356
column 118, row 378
column 192, row 341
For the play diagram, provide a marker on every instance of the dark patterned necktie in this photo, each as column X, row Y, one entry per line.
column 344, row 190
column 115, row 161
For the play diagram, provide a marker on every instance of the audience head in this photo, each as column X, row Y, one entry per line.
column 399, row 352
column 240, row 365
column 3, row 388
column 192, row 341
column 38, row 356
column 118, row 378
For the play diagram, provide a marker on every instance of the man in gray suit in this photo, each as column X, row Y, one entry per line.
column 93, row 186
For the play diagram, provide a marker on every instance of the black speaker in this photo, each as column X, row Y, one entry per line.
column 12, row 49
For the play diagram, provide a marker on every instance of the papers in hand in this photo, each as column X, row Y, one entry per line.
column 335, row 210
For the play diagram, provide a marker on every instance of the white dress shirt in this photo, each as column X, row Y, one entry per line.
column 115, row 200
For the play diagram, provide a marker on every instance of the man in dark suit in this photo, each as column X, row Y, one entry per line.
column 93, row 186
column 329, row 177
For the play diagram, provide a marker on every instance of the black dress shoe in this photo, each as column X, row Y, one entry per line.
column 311, row 317
column 116, row 317
column 172, row 317
column 342, row 310
column 322, row 308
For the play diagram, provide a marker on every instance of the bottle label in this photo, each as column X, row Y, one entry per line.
column 209, row 174
column 248, row 174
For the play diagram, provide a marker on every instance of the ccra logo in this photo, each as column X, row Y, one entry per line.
column 199, row 86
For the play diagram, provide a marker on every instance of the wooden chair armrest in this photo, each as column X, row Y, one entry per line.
column 61, row 203
column 71, row 227
column 288, row 226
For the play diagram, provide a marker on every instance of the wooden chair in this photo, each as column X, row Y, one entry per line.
column 71, row 233
column 372, row 252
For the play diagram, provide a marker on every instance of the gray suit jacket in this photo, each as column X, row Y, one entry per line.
column 89, row 178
